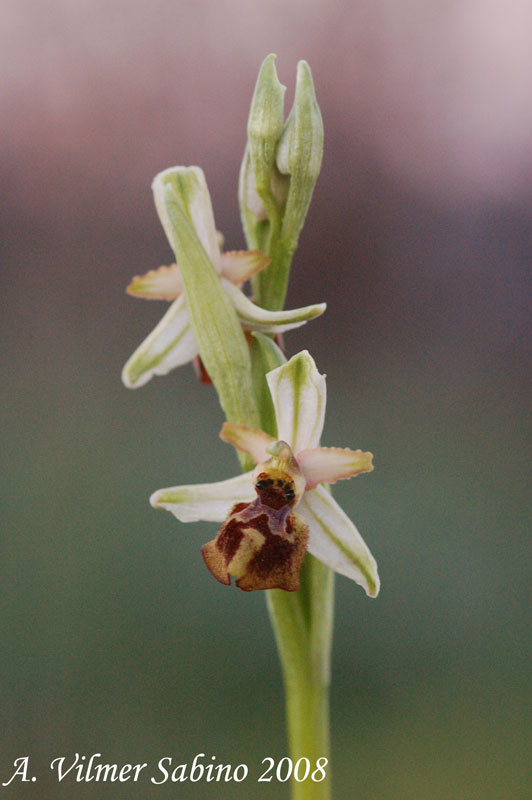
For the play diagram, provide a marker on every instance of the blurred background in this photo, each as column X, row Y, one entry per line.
column 115, row 639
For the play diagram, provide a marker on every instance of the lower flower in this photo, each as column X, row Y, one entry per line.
column 262, row 541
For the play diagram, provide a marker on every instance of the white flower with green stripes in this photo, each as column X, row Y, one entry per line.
column 172, row 342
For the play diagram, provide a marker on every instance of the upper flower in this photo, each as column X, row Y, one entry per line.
column 262, row 541
column 173, row 342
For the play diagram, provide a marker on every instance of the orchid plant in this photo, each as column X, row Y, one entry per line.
column 282, row 532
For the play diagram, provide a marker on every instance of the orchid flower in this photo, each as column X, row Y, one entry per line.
column 263, row 540
column 172, row 342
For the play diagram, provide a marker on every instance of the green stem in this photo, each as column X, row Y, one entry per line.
column 302, row 622
column 270, row 285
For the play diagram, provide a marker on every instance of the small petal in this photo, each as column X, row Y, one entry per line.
column 331, row 464
column 247, row 440
column 164, row 283
column 210, row 502
column 239, row 265
column 169, row 345
column 299, row 394
column 256, row 318
column 334, row 540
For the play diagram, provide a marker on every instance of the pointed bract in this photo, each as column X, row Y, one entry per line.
column 191, row 189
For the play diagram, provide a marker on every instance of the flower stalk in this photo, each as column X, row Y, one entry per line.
column 303, row 624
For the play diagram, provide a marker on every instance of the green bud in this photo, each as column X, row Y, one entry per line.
column 299, row 154
column 254, row 215
column 249, row 199
column 265, row 125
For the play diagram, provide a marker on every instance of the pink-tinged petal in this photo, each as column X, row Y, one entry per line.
column 331, row 464
column 247, row 440
column 164, row 283
column 239, row 265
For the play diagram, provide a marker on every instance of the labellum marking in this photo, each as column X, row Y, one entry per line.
column 261, row 543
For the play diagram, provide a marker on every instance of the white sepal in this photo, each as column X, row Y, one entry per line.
column 299, row 395
column 336, row 542
column 210, row 502
column 192, row 192
column 169, row 345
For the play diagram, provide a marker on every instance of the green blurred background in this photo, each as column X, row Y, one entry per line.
column 115, row 639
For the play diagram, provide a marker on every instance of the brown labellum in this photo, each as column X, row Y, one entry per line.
column 261, row 543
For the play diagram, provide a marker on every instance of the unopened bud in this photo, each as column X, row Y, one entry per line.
column 299, row 153
column 252, row 207
column 265, row 123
